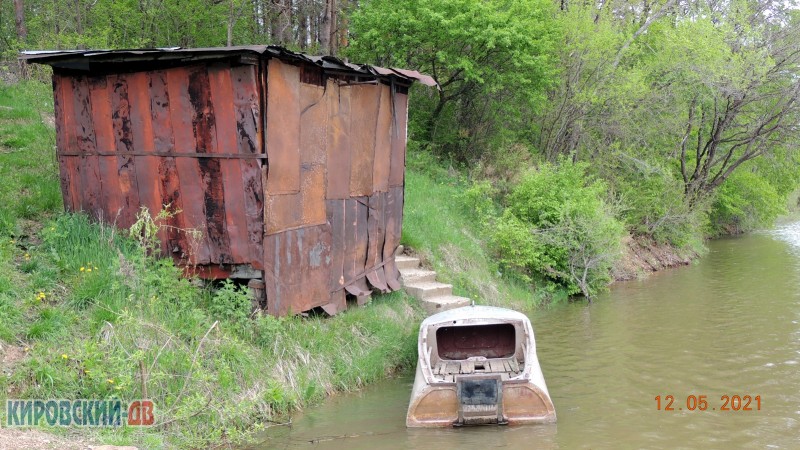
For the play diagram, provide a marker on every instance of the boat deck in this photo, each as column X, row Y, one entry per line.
column 506, row 367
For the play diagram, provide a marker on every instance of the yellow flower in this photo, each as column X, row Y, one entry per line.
column 89, row 269
column 27, row 349
column 82, row 269
column 110, row 381
column 41, row 296
column 95, row 267
column 64, row 356
column 27, row 256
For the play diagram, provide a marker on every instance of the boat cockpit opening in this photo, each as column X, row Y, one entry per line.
column 478, row 349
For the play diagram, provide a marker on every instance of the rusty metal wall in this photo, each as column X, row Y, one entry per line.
column 334, row 197
column 316, row 201
column 189, row 137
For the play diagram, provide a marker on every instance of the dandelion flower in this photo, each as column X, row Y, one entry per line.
column 27, row 349
column 64, row 356
column 27, row 256
column 89, row 269
column 110, row 381
column 83, row 268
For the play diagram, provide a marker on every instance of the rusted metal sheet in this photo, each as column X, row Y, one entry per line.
column 176, row 244
column 338, row 141
column 104, row 139
column 336, row 213
column 283, row 128
column 297, row 269
column 248, row 133
column 355, row 246
column 230, row 170
column 90, row 196
column 376, row 232
column 383, row 143
column 398, row 137
column 193, row 215
column 394, row 221
column 123, row 143
column 61, row 139
column 364, row 101
column 204, row 126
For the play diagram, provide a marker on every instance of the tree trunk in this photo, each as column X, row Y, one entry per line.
column 325, row 33
column 19, row 20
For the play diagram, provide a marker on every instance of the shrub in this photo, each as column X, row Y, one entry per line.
column 744, row 202
column 557, row 226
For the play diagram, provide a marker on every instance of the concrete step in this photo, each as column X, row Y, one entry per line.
column 427, row 289
column 404, row 262
column 417, row 276
column 438, row 304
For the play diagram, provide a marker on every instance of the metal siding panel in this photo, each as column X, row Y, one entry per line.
column 227, row 142
column 193, row 214
column 336, row 219
column 70, row 163
column 312, row 195
column 205, row 138
column 247, row 108
column 147, row 179
column 356, row 240
column 383, row 142
column 283, row 128
column 176, row 244
column 297, row 269
column 376, row 232
column 61, row 139
column 399, row 130
column 90, row 194
column 123, row 140
column 364, row 100
column 393, row 217
column 338, row 142
column 104, row 138
column 313, row 124
column 283, row 212
column 394, row 228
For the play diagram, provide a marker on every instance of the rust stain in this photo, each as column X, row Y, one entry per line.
column 104, row 137
column 364, row 100
column 283, row 128
column 338, row 142
column 175, row 244
column 193, row 215
column 383, row 143
column 399, row 125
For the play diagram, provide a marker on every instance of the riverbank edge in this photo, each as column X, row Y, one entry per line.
column 642, row 256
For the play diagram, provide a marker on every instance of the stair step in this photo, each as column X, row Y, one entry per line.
column 417, row 276
column 404, row 262
column 438, row 304
column 427, row 289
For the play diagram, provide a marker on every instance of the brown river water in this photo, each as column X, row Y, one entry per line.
column 728, row 325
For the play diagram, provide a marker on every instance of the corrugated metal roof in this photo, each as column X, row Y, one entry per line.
column 80, row 59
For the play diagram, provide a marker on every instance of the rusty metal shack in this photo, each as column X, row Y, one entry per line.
column 291, row 166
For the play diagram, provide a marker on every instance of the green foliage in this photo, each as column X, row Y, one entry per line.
column 230, row 302
column 745, row 202
column 558, row 226
column 491, row 59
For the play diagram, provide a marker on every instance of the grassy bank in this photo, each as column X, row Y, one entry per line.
column 86, row 313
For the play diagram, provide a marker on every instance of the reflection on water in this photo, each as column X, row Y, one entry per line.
column 728, row 325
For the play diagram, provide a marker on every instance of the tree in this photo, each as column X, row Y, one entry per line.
column 492, row 60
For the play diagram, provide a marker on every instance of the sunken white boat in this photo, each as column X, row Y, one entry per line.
column 478, row 365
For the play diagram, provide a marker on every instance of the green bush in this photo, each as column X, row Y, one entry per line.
column 745, row 202
column 557, row 226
